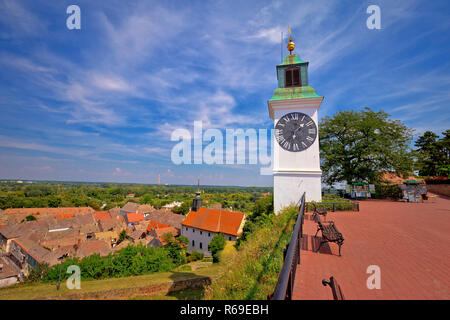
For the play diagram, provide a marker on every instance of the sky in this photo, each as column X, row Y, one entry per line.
column 99, row 104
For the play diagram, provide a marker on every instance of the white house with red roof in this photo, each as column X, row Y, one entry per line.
column 202, row 224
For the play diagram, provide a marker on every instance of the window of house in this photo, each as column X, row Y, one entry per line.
column 209, row 234
column 193, row 243
column 201, row 232
column 193, row 230
column 292, row 77
column 200, row 245
column 229, row 238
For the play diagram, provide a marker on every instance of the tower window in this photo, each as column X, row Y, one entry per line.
column 292, row 77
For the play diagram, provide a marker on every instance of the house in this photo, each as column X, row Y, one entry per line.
column 88, row 248
column 20, row 213
column 9, row 273
column 28, row 254
column 31, row 229
column 154, row 225
column 159, row 232
column 159, row 242
column 137, row 235
column 129, row 207
column 166, row 217
column 202, row 224
column 133, row 218
column 102, row 215
column 131, row 195
column 108, row 236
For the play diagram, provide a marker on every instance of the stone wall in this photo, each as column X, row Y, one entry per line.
column 440, row 189
column 160, row 288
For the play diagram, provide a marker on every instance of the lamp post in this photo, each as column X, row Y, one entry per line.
column 60, row 269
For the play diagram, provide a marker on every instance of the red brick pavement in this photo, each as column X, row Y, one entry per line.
column 410, row 242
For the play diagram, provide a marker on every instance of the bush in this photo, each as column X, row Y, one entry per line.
column 254, row 270
column 129, row 261
column 194, row 256
column 387, row 191
column 216, row 245
column 437, row 180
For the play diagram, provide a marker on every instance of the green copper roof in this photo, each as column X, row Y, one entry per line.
column 291, row 59
column 294, row 93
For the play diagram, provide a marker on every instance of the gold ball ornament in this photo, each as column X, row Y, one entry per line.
column 290, row 46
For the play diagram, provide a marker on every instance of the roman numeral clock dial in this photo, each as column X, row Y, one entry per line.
column 295, row 132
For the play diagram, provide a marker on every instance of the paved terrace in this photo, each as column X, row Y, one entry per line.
column 410, row 242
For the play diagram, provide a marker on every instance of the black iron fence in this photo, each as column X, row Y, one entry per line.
column 285, row 284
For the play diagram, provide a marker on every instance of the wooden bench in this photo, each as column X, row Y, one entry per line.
column 330, row 233
column 335, row 288
column 319, row 210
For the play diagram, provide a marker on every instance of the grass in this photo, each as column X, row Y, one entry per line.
column 253, row 271
column 190, row 294
column 27, row 291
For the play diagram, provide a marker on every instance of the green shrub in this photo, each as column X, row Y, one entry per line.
column 129, row 261
column 387, row 191
column 253, row 273
column 216, row 245
column 185, row 268
column 194, row 256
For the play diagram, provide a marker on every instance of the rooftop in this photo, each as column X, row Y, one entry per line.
column 216, row 220
column 408, row 241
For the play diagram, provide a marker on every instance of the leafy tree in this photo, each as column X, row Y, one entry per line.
column 122, row 236
column 183, row 208
column 433, row 154
column 356, row 146
column 216, row 245
column 173, row 246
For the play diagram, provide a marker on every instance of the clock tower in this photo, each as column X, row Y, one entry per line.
column 293, row 108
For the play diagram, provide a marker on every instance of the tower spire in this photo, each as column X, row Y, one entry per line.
column 291, row 44
column 197, row 202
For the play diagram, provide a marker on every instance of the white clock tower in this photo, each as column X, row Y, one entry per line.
column 293, row 108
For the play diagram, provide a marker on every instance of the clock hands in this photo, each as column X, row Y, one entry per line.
column 295, row 131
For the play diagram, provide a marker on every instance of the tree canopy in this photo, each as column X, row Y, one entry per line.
column 358, row 145
column 433, row 154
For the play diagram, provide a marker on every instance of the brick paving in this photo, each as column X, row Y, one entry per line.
column 410, row 242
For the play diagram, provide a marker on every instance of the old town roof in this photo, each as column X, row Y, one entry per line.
column 216, row 220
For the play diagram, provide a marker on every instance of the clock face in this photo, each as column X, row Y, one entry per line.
column 295, row 131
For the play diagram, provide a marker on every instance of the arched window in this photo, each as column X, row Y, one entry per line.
column 292, row 77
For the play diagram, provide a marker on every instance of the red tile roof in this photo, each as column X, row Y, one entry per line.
column 135, row 217
column 65, row 215
column 159, row 232
column 156, row 225
column 102, row 215
column 50, row 211
column 215, row 220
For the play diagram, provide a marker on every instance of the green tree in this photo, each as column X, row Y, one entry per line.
column 433, row 154
column 357, row 146
column 183, row 208
column 216, row 245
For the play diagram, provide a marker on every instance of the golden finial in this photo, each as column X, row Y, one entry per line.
column 291, row 44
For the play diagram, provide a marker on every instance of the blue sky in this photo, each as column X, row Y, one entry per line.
column 100, row 103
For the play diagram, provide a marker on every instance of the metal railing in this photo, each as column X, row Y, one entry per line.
column 285, row 284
